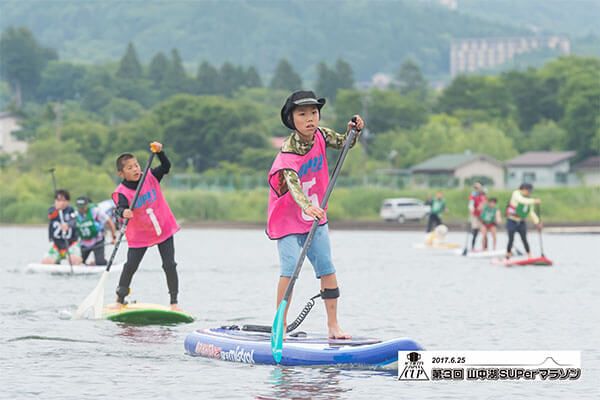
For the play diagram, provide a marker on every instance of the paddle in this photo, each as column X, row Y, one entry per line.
column 464, row 253
column 62, row 221
column 277, row 330
column 539, row 212
column 95, row 299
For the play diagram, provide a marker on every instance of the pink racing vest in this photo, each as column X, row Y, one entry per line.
column 152, row 222
column 285, row 217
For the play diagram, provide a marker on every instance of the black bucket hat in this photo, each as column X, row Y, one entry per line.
column 82, row 201
column 296, row 99
column 526, row 186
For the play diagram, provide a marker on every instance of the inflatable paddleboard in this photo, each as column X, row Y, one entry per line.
column 514, row 262
column 65, row 269
column 232, row 344
column 145, row 314
column 437, row 246
column 481, row 253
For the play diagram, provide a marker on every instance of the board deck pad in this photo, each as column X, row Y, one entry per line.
column 145, row 314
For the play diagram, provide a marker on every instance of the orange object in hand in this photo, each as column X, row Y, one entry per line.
column 155, row 147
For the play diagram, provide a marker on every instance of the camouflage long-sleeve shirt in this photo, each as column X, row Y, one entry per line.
column 295, row 144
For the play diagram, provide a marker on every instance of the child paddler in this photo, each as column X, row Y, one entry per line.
column 298, row 180
column 91, row 222
column 61, row 231
column 517, row 210
column 438, row 206
column 490, row 218
column 151, row 222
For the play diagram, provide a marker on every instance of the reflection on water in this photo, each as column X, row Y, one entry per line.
column 305, row 383
column 145, row 334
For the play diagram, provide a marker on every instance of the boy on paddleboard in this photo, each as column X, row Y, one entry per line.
column 61, row 231
column 90, row 221
column 298, row 180
column 490, row 218
column 476, row 200
column 151, row 222
column 517, row 210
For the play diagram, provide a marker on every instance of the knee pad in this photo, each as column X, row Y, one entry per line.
column 330, row 293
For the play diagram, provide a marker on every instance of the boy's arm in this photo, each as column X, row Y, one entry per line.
column 293, row 183
column 122, row 205
column 337, row 140
column 534, row 217
column 163, row 168
column 498, row 217
column 517, row 197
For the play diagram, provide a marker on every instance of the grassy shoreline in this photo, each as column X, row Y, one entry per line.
column 563, row 206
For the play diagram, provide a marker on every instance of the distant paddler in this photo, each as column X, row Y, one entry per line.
column 518, row 209
column 476, row 200
column 438, row 207
column 61, row 231
column 91, row 221
column 490, row 219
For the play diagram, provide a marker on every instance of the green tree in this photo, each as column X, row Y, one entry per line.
column 547, row 135
column 410, row 80
column 230, row 79
column 252, row 78
column 61, row 81
column 484, row 93
column 158, row 69
column 390, row 110
column 208, row 79
column 329, row 80
column 208, row 130
column 22, row 60
column 129, row 66
column 176, row 80
column 285, row 77
column 96, row 98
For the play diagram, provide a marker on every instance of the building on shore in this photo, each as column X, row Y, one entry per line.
column 458, row 170
column 588, row 171
column 474, row 54
column 9, row 124
column 542, row 169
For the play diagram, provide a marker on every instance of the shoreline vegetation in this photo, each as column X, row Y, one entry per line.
column 355, row 208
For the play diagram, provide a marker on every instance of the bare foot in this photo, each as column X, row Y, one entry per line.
column 175, row 307
column 335, row 332
column 115, row 306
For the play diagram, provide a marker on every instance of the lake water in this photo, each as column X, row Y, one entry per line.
column 389, row 289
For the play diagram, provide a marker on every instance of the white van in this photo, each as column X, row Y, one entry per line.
column 403, row 209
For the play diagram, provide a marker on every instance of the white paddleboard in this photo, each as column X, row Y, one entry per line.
column 437, row 246
column 65, row 269
column 481, row 253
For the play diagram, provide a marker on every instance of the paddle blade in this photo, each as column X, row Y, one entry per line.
column 277, row 332
column 94, row 301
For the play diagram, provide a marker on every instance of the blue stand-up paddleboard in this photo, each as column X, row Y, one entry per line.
column 233, row 344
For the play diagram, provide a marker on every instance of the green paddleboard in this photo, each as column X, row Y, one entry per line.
column 145, row 314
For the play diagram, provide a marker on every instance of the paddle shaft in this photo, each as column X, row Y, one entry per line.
column 132, row 206
column 465, row 249
column 62, row 220
column 540, row 229
column 315, row 225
